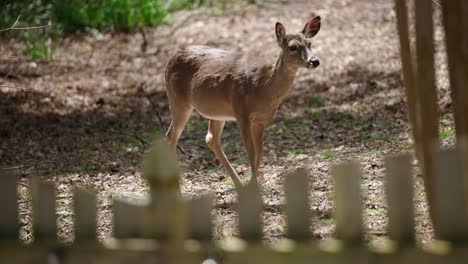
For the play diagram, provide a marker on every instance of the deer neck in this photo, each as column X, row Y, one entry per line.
column 281, row 80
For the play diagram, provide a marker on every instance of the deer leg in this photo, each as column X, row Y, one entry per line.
column 179, row 116
column 213, row 139
column 257, row 138
column 246, row 131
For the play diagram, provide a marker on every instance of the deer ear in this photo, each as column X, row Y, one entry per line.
column 312, row 27
column 280, row 32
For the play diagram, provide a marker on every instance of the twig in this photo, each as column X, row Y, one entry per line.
column 43, row 172
column 142, row 140
column 23, row 184
column 144, row 45
column 6, row 76
column 22, row 28
column 153, row 106
column 13, row 26
column 29, row 165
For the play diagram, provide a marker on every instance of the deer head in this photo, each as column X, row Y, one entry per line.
column 296, row 48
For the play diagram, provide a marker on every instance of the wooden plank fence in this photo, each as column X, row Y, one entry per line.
column 418, row 69
column 168, row 229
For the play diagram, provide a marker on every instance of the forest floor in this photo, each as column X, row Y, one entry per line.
column 77, row 120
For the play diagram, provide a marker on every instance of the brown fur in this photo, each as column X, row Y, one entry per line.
column 223, row 85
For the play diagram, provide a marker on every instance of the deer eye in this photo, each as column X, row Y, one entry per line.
column 292, row 48
column 309, row 44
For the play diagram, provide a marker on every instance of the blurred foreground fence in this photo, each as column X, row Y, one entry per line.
column 169, row 229
column 420, row 83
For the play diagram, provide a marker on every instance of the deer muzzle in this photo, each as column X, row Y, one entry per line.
column 313, row 62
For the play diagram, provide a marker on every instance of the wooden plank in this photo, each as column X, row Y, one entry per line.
column 401, row 11
column 464, row 87
column 161, row 169
column 399, row 193
column 8, row 206
column 44, row 211
column 455, row 37
column 127, row 219
column 297, row 205
column 250, row 209
column 348, row 216
column 85, row 215
column 450, row 193
column 426, row 92
column 165, row 216
column 200, row 225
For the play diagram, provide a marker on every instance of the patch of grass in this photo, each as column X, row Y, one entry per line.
column 154, row 133
column 326, row 217
column 379, row 136
column 338, row 116
column 332, row 116
column 445, row 133
column 293, row 153
column 317, row 101
column 278, row 127
column 197, row 124
column 39, row 46
column 447, row 126
column 327, row 154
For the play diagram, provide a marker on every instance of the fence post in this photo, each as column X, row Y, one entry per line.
column 408, row 69
column 250, row 209
column 297, row 205
column 427, row 103
column 399, row 193
column 8, row 206
column 348, row 203
column 450, row 193
column 44, row 212
column 128, row 219
column 85, row 216
column 456, row 39
column 166, row 214
column 199, row 215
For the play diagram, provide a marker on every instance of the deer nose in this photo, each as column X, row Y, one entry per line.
column 313, row 62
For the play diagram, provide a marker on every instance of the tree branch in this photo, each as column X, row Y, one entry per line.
column 153, row 106
column 22, row 28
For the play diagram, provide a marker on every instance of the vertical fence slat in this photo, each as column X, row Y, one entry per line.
column 297, row 205
column 166, row 214
column 399, row 192
column 464, row 54
column 401, row 11
column 348, row 202
column 85, row 215
column 250, row 209
column 127, row 219
column 44, row 211
column 426, row 92
column 8, row 206
column 454, row 36
column 450, row 194
column 200, row 225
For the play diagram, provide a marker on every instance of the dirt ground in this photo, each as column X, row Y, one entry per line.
column 82, row 119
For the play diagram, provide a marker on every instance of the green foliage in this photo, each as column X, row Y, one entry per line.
column 84, row 15
column 121, row 15
column 40, row 44
column 317, row 101
column 326, row 154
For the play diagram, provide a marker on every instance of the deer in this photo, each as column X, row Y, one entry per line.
column 230, row 86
